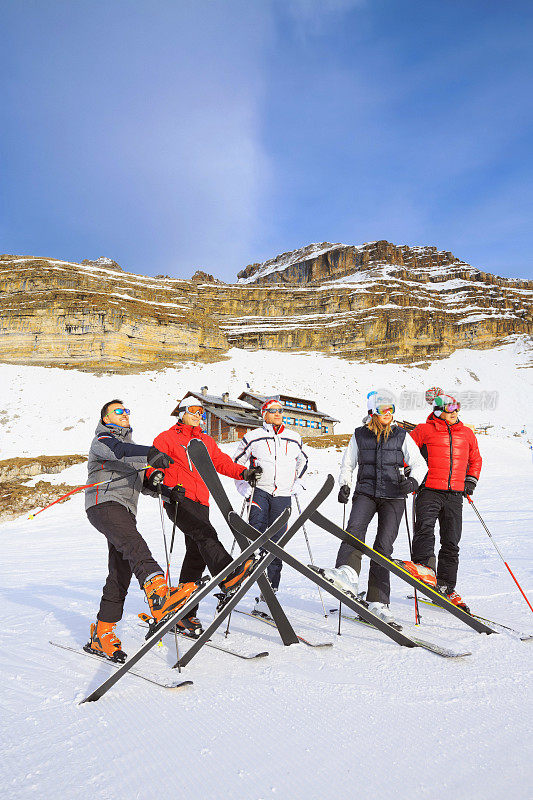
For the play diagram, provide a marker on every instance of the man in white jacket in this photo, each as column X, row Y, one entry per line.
column 279, row 453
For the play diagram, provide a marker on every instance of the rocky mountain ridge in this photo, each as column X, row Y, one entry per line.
column 376, row 302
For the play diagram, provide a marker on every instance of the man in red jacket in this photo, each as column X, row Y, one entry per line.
column 454, row 464
column 188, row 503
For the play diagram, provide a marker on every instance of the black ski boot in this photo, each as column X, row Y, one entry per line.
column 190, row 626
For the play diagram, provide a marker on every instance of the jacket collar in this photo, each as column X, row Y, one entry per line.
column 440, row 423
column 188, row 431
column 270, row 428
column 116, row 430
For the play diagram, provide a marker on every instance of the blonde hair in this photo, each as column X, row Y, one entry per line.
column 378, row 429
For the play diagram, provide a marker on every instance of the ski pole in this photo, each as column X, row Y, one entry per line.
column 88, row 486
column 310, row 554
column 161, row 514
column 172, row 539
column 248, row 507
column 340, row 604
column 498, row 551
column 417, row 610
column 174, row 528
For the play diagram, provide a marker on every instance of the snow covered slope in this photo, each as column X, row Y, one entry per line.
column 364, row 718
column 47, row 410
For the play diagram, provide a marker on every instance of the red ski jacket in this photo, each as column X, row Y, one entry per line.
column 451, row 451
column 174, row 442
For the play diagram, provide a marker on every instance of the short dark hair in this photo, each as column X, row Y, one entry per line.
column 105, row 408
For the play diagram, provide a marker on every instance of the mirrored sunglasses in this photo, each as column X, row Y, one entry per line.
column 120, row 411
column 451, row 407
column 275, row 410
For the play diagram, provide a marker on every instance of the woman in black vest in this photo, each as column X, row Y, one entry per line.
column 380, row 450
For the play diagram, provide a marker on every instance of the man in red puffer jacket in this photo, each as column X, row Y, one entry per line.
column 187, row 503
column 454, row 464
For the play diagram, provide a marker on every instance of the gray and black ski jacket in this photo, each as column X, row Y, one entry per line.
column 113, row 453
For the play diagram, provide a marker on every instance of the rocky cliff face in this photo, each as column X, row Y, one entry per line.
column 326, row 262
column 64, row 314
column 374, row 302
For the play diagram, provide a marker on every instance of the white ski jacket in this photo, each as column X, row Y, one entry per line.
column 280, row 455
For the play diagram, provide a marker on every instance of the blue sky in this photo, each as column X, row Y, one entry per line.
column 172, row 135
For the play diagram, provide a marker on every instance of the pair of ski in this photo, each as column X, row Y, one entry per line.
column 395, row 567
column 165, row 684
column 205, row 588
column 267, row 620
column 259, row 541
column 147, row 621
column 244, row 532
column 522, row 635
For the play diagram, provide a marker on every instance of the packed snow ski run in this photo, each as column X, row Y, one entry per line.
column 269, row 617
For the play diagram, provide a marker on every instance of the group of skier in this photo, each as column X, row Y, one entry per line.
column 439, row 461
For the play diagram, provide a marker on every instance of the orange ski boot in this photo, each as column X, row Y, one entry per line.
column 453, row 597
column 104, row 642
column 420, row 571
column 163, row 599
column 235, row 578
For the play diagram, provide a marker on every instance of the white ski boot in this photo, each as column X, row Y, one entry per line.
column 344, row 578
column 261, row 609
column 382, row 611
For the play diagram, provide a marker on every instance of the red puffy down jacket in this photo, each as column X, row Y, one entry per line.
column 174, row 442
column 451, row 451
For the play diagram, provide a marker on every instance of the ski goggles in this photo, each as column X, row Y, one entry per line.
column 119, row 411
column 385, row 408
column 449, row 408
column 194, row 410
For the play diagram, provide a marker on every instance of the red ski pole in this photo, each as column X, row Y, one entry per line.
column 87, row 486
column 498, row 551
column 417, row 611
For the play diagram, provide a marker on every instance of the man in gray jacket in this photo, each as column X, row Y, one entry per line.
column 111, row 509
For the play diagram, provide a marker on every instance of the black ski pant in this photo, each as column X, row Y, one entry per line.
column 264, row 510
column 447, row 507
column 389, row 513
column 202, row 545
column 128, row 554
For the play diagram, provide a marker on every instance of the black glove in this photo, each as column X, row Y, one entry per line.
column 156, row 458
column 408, row 486
column 155, row 480
column 470, row 485
column 251, row 474
column 177, row 494
column 344, row 493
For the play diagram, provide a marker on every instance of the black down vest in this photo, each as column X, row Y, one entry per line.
column 379, row 462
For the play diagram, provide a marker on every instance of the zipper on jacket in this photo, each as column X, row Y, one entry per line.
column 451, row 457
column 188, row 458
column 275, row 462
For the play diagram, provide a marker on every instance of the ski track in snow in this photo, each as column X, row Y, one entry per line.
column 363, row 716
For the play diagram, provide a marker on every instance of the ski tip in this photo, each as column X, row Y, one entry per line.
column 181, row 685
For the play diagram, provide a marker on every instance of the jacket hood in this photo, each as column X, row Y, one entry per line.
column 116, row 430
column 440, row 423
